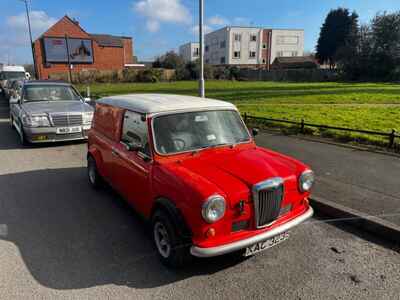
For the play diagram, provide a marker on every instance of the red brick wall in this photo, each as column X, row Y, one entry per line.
column 266, row 53
column 105, row 58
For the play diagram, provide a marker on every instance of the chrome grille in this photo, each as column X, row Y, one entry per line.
column 65, row 120
column 267, row 196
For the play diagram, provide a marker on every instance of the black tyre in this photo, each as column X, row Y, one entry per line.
column 95, row 179
column 11, row 122
column 22, row 138
column 172, row 249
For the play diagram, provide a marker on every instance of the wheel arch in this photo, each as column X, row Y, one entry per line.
column 175, row 215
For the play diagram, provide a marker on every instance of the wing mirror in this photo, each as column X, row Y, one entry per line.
column 255, row 131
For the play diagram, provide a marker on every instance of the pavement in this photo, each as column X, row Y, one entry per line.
column 61, row 239
column 358, row 179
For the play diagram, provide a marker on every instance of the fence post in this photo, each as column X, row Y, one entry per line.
column 302, row 126
column 391, row 138
column 245, row 117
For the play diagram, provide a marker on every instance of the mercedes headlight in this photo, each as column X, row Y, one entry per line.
column 87, row 118
column 306, row 181
column 35, row 121
column 213, row 209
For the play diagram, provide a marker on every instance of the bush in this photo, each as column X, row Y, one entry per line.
column 149, row 75
column 129, row 75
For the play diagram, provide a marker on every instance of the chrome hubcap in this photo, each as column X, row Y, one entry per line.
column 162, row 239
column 92, row 173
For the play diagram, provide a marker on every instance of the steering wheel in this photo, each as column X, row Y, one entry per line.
column 179, row 144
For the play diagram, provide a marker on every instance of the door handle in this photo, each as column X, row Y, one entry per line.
column 114, row 153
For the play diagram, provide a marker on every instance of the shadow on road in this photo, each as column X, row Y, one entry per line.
column 9, row 138
column 73, row 237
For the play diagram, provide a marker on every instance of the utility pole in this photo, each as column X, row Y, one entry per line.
column 69, row 59
column 201, row 40
column 30, row 37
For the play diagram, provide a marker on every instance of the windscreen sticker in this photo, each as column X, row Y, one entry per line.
column 211, row 137
column 201, row 118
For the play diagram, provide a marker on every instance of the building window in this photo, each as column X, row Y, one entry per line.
column 279, row 53
column 222, row 61
column 236, row 54
column 253, row 38
column 294, row 53
column 264, row 46
column 222, row 44
column 207, row 48
column 252, row 54
column 196, row 52
column 287, row 40
column 207, row 61
column 238, row 37
column 264, row 61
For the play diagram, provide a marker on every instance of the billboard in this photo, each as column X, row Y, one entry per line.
column 79, row 50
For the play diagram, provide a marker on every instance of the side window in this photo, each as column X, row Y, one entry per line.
column 134, row 130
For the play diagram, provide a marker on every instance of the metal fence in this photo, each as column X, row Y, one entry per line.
column 391, row 136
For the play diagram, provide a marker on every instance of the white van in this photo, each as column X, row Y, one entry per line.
column 11, row 73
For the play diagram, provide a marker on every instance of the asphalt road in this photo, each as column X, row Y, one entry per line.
column 61, row 239
column 362, row 180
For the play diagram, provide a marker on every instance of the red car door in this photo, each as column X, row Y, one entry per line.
column 132, row 168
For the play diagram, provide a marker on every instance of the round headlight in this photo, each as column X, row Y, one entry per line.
column 306, row 181
column 213, row 209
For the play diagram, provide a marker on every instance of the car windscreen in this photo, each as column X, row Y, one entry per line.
column 193, row 131
column 7, row 75
column 49, row 93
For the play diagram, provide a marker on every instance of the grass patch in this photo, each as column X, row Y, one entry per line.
column 369, row 106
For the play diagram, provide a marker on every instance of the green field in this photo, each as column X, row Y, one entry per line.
column 370, row 106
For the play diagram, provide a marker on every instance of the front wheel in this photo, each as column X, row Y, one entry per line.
column 11, row 122
column 94, row 177
column 172, row 249
column 22, row 138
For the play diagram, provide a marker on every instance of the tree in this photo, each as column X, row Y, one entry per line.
column 339, row 25
column 385, row 31
column 169, row 60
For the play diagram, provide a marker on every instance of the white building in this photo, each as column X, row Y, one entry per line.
column 189, row 51
column 287, row 43
column 249, row 46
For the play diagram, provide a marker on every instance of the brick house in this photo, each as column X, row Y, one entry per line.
column 67, row 43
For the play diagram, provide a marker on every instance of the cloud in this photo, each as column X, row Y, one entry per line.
column 207, row 29
column 14, row 37
column 217, row 21
column 241, row 21
column 162, row 11
column 40, row 21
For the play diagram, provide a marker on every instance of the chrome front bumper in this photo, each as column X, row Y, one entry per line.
column 227, row 248
column 49, row 134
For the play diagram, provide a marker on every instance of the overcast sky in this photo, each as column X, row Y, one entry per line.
column 160, row 25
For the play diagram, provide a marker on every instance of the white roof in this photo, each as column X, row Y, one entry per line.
column 155, row 103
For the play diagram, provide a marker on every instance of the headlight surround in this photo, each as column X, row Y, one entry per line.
column 87, row 118
column 214, row 208
column 35, row 121
column 306, row 181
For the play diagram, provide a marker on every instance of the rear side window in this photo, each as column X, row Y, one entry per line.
column 135, row 131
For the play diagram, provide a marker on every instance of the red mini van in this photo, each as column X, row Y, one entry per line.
column 191, row 166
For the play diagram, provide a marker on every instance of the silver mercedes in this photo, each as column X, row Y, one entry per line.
column 49, row 111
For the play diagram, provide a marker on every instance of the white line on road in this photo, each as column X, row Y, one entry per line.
column 3, row 230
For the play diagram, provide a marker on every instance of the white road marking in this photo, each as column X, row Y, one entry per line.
column 3, row 230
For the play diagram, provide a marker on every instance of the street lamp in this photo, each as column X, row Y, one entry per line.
column 30, row 36
column 201, row 40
